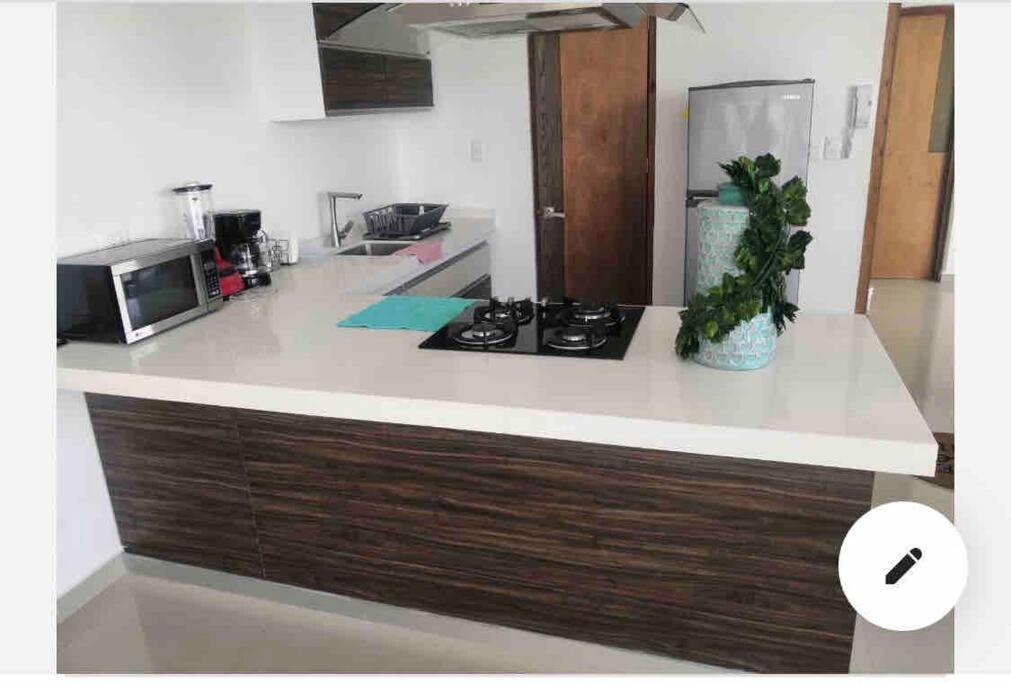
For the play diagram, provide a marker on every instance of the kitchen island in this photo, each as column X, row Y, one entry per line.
column 648, row 503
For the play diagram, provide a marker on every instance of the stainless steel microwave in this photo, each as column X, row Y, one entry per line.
column 131, row 291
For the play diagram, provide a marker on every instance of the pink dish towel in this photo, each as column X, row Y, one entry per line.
column 426, row 253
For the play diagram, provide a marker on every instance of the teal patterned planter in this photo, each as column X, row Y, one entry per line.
column 752, row 344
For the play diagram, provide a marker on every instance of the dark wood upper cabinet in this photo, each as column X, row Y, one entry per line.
column 366, row 80
column 311, row 61
column 408, row 82
column 359, row 79
column 352, row 80
column 331, row 16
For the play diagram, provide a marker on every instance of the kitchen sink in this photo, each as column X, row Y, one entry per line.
column 373, row 249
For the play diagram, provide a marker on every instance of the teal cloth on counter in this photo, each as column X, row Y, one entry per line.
column 423, row 313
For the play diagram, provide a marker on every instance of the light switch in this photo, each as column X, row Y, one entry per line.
column 476, row 151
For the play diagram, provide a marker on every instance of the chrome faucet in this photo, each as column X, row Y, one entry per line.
column 337, row 231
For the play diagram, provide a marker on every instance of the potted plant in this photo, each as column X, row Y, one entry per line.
column 741, row 307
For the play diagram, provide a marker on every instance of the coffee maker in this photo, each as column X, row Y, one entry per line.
column 240, row 238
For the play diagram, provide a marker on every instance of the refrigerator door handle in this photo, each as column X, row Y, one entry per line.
column 697, row 196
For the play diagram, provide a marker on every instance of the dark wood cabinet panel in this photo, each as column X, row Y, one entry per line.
column 408, row 82
column 366, row 80
column 352, row 80
column 725, row 561
column 177, row 482
column 719, row 560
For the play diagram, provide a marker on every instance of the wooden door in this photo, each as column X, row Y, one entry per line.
column 913, row 195
column 592, row 106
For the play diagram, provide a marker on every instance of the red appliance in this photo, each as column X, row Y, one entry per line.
column 231, row 281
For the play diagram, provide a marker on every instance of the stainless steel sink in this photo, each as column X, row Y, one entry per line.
column 373, row 248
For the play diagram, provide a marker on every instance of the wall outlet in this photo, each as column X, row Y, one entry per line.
column 476, row 151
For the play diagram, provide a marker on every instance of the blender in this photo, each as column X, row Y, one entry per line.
column 197, row 209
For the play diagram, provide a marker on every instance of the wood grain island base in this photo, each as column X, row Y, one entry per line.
column 725, row 561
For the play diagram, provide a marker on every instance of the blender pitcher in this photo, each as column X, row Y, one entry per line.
column 197, row 209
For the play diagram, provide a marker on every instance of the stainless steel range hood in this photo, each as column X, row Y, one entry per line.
column 489, row 19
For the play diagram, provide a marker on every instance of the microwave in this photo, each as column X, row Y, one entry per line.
column 131, row 291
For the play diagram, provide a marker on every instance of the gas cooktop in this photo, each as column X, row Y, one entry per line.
column 569, row 328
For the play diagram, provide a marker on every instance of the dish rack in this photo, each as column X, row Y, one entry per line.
column 403, row 219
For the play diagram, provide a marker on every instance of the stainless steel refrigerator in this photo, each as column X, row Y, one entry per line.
column 744, row 118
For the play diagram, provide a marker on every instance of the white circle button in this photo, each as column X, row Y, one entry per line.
column 903, row 566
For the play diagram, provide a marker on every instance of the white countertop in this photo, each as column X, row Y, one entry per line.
column 382, row 274
column 831, row 397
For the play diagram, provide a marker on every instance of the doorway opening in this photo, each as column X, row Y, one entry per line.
column 593, row 120
column 906, row 232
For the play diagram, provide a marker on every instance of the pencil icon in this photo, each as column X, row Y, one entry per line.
column 903, row 566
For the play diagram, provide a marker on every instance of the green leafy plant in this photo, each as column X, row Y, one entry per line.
column 766, row 253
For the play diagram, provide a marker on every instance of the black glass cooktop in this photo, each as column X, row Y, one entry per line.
column 569, row 328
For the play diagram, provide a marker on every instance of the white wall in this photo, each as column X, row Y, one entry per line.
column 86, row 536
column 838, row 45
column 481, row 94
column 152, row 96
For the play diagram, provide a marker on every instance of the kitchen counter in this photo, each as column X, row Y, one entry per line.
column 831, row 397
column 626, row 503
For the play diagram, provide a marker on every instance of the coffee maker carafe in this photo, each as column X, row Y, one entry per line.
column 241, row 240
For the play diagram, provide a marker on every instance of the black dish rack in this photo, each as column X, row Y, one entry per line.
column 398, row 220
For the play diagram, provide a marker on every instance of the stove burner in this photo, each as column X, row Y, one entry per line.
column 519, row 312
column 576, row 338
column 484, row 333
column 510, row 326
column 589, row 314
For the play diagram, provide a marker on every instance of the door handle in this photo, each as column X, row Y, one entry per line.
column 549, row 212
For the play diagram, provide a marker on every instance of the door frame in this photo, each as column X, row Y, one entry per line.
column 544, row 63
column 895, row 13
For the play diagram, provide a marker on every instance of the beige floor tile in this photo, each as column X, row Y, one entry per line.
column 915, row 320
column 147, row 624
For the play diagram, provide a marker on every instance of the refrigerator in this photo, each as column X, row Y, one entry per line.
column 744, row 118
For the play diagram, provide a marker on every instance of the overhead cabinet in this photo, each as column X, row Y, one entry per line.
column 311, row 61
column 362, row 80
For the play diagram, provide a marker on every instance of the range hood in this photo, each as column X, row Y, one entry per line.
column 490, row 19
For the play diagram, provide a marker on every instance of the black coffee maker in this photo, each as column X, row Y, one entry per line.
column 241, row 240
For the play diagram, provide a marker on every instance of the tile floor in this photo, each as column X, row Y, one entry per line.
column 915, row 321
column 145, row 623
